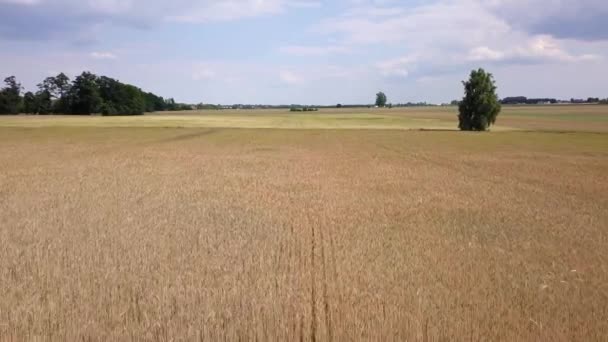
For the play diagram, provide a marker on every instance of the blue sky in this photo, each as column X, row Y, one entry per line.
column 312, row 51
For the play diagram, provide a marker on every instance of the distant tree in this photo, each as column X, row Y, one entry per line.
column 381, row 99
column 513, row 100
column 339, row 105
column 30, row 105
column 10, row 96
column 84, row 95
column 44, row 102
column 390, row 105
column 154, row 103
column 87, row 94
column 55, row 86
column 56, row 89
column 170, row 104
column 62, row 84
column 184, row 106
column 480, row 105
column 119, row 98
column 207, row 106
column 48, row 85
column 455, row 103
column 136, row 102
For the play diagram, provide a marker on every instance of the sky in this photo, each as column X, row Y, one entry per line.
column 312, row 51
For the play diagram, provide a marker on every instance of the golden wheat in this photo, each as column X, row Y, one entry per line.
column 184, row 234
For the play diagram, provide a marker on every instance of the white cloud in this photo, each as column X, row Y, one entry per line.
column 289, row 77
column 103, row 55
column 484, row 53
column 538, row 49
column 581, row 19
column 300, row 50
column 445, row 22
column 21, row 2
column 305, row 4
column 110, row 6
column 208, row 11
column 203, row 71
column 320, row 73
column 397, row 67
column 228, row 10
column 373, row 11
column 67, row 18
column 418, row 49
column 446, row 35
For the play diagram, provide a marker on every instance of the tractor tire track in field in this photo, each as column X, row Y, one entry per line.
column 197, row 133
column 313, row 288
column 322, row 268
column 328, row 322
column 319, row 292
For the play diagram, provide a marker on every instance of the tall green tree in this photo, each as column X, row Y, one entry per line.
column 57, row 89
column 30, row 105
column 110, row 93
column 48, row 85
column 44, row 103
column 84, row 95
column 480, row 106
column 10, row 96
column 62, row 85
column 381, row 99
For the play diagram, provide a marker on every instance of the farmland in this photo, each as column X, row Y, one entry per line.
column 339, row 225
column 567, row 118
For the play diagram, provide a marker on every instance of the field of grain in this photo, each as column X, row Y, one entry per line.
column 302, row 234
column 556, row 118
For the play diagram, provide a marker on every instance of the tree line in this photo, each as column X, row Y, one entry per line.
column 519, row 100
column 86, row 94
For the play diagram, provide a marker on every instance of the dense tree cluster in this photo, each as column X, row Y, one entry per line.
column 205, row 106
column 86, row 94
column 522, row 100
column 525, row 100
column 10, row 98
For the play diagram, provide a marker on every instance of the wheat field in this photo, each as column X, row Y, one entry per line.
column 166, row 234
column 554, row 118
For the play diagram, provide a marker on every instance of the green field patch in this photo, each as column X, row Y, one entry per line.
column 531, row 118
